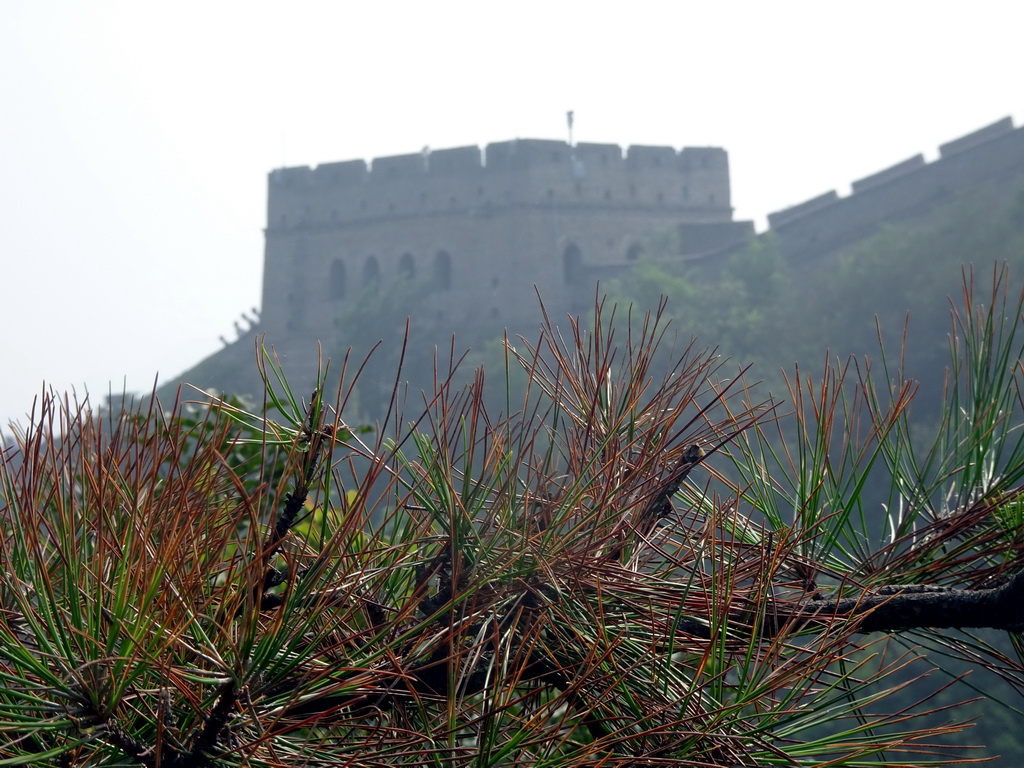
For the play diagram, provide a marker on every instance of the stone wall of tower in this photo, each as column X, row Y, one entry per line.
column 480, row 229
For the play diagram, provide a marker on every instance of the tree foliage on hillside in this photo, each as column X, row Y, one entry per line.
column 625, row 571
column 758, row 307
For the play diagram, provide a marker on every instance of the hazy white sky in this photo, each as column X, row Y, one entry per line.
column 135, row 138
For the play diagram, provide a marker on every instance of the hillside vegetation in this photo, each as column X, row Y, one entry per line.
column 759, row 308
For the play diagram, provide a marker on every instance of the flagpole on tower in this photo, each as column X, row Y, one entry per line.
column 568, row 120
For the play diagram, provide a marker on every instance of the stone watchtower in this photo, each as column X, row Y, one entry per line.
column 480, row 230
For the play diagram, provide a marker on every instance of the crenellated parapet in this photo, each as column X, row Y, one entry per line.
column 992, row 151
column 908, row 188
column 518, row 173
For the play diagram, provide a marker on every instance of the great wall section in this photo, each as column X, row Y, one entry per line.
column 480, row 228
column 911, row 188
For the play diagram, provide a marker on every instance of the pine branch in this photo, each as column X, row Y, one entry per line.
column 895, row 609
column 1000, row 608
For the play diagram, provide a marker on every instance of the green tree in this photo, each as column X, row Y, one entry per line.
column 577, row 583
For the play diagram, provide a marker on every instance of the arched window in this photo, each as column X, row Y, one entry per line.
column 635, row 252
column 442, row 276
column 371, row 274
column 406, row 267
column 572, row 265
column 336, row 280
